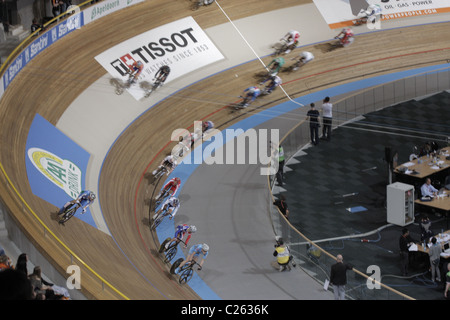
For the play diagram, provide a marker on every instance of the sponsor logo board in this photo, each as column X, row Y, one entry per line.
column 56, row 166
column 106, row 7
column 182, row 45
column 340, row 13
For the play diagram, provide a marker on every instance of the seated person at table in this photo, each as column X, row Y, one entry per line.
column 427, row 189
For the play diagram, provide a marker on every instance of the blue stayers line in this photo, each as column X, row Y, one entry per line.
column 184, row 170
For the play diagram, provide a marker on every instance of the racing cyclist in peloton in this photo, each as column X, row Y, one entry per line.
column 180, row 232
column 346, row 37
column 302, row 59
column 135, row 71
column 171, row 186
column 275, row 81
column 171, row 205
column 169, row 163
column 194, row 252
column 251, row 93
column 291, row 39
column 275, row 65
column 85, row 198
column 161, row 75
column 206, row 125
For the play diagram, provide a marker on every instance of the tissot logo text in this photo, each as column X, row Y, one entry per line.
column 156, row 49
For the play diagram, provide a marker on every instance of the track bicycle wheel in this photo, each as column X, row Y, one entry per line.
column 186, row 275
column 162, row 198
column 159, row 219
column 160, row 172
column 163, row 245
column 69, row 213
column 175, row 265
column 171, row 252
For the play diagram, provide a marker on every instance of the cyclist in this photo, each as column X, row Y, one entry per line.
column 291, row 39
column 275, row 65
column 85, row 198
column 180, row 232
column 169, row 162
column 194, row 252
column 171, row 186
column 251, row 93
column 345, row 37
column 136, row 70
column 303, row 58
column 275, row 81
column 206, row 125
column 162, row 74
column 171, row 205
column 372, row 14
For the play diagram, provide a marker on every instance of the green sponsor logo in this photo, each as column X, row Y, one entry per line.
column 63, row 173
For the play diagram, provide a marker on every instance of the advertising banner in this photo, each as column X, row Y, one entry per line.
column 106, row 7
column 342, row 13
column 40, row 44
column 182, row 45
column 56, row 166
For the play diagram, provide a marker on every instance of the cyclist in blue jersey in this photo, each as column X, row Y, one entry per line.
column 194, row 253
column 85, row 198
column 275, row 81
column 180, row 232
column 251, row 93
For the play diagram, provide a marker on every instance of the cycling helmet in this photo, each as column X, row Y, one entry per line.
column 165, row 69
column 139, row 64
column 205, row 247
column 176, row 179
column 92, row 196
column 175, row 201
column 192, row 229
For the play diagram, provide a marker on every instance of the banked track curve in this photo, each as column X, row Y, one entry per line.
column 55, row 78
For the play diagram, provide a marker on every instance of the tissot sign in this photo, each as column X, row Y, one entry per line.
column 182, row 45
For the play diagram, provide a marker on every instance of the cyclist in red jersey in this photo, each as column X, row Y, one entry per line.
column 346, row 37
column 171, row 186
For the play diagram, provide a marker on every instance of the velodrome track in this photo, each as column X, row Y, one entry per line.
column 123, row 252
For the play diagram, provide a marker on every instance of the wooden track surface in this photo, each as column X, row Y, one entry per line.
column 51, row 81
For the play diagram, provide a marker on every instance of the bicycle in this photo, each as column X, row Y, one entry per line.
column 243, row 104
column 153, row 87
column 163, row 197
column 69, row 212
column 156, row 221
column 186, row 272
column 199, row 3
column 171, row 250
column 121, row 86
column 280, row 47
column 160, row 172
